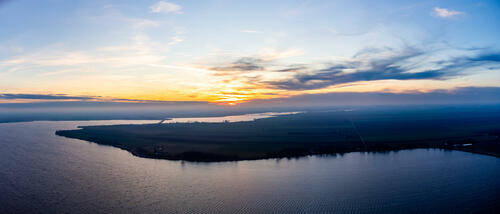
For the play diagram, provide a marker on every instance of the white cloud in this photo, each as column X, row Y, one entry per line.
column 166, row 7
column 175, row 40
column 446, row 13
column 142, row 51
column 269, row 54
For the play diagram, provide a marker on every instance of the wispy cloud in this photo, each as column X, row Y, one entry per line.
column 176, row 39
column 259, row 62
column 396, row 67
column 269, row 54
column 44, row 97
column 242, row 64
column 166, row 7
column 370, row 64
column 88, row 99
column 446, row 13
column 142, row 51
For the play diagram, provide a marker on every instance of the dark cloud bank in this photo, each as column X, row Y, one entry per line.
column 367, row 65
column 390, row 68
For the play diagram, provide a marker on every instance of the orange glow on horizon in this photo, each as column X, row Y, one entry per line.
column 234, row 93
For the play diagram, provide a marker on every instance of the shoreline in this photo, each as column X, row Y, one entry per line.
column 284, row 156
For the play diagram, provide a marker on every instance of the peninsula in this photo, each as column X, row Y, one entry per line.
column 321, row 132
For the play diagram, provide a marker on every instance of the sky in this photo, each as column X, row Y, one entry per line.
column 233, row 52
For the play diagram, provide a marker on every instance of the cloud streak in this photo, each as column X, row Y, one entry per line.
column 370, row 64
column 395, row 67
column 166, row 7
column 44, row 97
column 242, row 64
column 260, row 62
column 446, row 13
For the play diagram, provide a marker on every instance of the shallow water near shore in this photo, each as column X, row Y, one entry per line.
column 41, row 172
column 232, row 118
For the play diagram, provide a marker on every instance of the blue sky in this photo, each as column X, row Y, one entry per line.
column 234, row 51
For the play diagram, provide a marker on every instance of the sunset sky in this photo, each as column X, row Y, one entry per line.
column 236, row 51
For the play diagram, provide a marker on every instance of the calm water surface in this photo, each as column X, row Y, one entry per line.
column 233, row 118
column 41, row 172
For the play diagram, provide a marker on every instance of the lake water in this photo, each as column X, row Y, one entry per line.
column 233, row 118
column 41, row 172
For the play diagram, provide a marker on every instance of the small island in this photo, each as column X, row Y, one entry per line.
column 322, row 132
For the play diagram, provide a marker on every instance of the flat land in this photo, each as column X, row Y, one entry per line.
column 472, row 129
